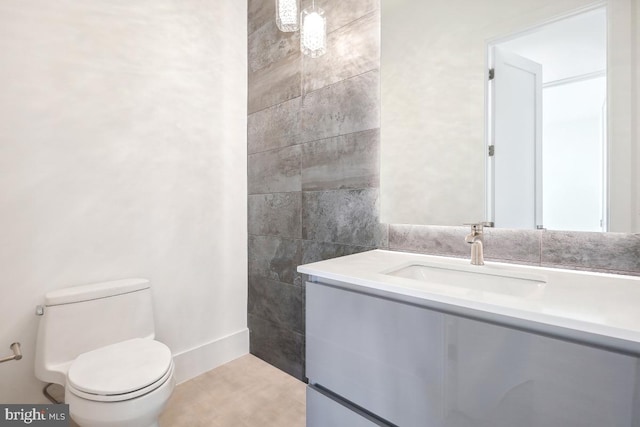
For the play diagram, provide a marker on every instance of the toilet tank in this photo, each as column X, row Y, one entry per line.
column 83, row 318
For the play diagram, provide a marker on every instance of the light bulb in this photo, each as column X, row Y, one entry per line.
column 313, row 37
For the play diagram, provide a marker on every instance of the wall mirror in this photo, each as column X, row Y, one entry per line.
column 521, row 113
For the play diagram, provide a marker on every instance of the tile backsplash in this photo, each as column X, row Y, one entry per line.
column 606, row 252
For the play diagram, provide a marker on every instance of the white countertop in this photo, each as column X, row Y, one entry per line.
column 592, row 308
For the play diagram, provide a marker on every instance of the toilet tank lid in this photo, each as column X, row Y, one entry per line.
column 95, row 291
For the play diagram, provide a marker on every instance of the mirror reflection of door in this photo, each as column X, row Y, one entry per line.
column 517, row 133
column 547, row 125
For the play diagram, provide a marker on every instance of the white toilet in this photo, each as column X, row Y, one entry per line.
column 98, row 342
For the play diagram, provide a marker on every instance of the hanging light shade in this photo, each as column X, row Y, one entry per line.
column 313, row 33
column 287, row 12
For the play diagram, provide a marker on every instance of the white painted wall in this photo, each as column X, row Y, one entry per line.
column 569, row 47
column 573, row 155
column 635, row 178
column 622, row 103
column 123, row 153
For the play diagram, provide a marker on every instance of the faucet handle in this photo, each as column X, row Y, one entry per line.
column 477, row 226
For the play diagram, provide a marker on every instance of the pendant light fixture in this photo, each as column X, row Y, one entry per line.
column 312, row 25
column 287, row 13
column 313, row 33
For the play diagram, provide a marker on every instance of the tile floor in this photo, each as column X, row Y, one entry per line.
column 246, row 392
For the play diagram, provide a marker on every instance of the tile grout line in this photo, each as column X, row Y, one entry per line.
column 371, row 130
column 315, row 90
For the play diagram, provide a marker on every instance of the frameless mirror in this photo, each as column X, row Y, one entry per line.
column 518, row 113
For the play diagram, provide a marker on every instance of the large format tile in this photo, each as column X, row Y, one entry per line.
column 283, row 348
column 276, row 83
column 276, row 214
column 313, row 251
column 275, row 171
column 344, row 216
column 274, row 258
column 246, row 392
column 280, row 303
column 348, row 161
column 426, row 239
column 341, row 12
column 350, row 106
column 274, row 127
column 260, row 12
column 351, row 50
column 268, row 45
column 616, row 252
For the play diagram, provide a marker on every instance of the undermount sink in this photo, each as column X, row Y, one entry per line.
column 473, row 278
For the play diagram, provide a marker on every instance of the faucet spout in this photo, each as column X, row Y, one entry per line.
column 475, row 240
column 477, row 255
column 473, row 237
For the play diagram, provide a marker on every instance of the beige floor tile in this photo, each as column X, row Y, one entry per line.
column 246, row 392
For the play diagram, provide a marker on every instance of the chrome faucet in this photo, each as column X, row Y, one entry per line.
column 475, row 240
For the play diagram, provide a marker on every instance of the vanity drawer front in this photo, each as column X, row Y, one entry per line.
column 381, row 355
column 323, row 411
column 415, row 367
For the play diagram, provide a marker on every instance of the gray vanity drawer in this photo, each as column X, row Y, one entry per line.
column 322, row 411
column 415, row 367
column 380, row 355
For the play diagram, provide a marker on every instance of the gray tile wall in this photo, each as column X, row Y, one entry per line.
column 313, row 141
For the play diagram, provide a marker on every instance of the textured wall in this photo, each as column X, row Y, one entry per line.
column 605, row 252
column 313, row 138
column 123, row 154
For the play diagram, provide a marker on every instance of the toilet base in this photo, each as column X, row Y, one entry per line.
column 142, row 411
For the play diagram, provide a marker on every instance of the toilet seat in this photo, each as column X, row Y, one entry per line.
column 120, row 371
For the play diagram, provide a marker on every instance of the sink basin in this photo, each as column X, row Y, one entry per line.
column 474, row 278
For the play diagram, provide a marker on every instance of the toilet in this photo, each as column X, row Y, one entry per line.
column 98, row 342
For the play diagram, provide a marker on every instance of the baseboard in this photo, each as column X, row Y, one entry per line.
column 191, row 363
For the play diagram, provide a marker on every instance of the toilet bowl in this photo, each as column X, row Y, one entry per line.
column 98, row 341
column 125, row 384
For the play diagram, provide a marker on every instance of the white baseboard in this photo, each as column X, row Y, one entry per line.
column 191, row 363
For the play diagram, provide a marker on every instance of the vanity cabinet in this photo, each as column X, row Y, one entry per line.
column 373, row 360
column 324, row 410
